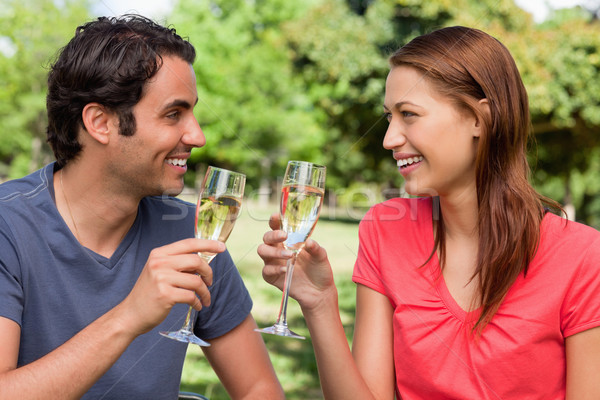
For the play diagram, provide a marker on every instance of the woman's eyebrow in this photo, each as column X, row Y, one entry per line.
column 400, row 104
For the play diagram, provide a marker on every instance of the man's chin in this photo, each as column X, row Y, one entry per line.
column 171, row 191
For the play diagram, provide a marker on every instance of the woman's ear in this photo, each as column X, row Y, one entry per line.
column 484, row 108
column 98, row 122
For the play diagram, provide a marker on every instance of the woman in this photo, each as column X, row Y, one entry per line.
column 473, row 290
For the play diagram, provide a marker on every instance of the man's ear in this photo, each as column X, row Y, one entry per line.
column 98, row 122
column 484, row 107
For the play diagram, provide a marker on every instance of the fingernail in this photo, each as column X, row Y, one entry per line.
column 286, row 253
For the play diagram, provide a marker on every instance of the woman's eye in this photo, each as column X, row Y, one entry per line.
column 388, row 116
column 407, row 114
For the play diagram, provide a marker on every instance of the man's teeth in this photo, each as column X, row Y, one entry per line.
column 408, row 161
column 179, row 162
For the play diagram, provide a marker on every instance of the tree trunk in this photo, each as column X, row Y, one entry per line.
column 568, row 200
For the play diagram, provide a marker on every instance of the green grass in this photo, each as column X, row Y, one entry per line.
column 293, row 359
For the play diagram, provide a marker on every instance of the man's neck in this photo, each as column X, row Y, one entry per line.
column 98, row 218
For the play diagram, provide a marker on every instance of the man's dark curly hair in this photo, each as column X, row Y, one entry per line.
column 108, row 61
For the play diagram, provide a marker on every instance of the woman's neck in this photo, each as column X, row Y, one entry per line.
column 460, row 216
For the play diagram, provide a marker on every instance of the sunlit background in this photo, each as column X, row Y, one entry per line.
column 281, row 79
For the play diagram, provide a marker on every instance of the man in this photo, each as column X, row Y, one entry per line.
column 94, row 258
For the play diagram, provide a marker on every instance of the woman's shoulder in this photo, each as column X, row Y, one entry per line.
column 402, row 209
column 559, row 229
column 569, row 240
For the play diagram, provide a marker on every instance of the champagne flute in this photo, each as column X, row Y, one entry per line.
column 217, row 209
column 301, row 200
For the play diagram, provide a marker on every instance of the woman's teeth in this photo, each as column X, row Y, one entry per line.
column 408, row 161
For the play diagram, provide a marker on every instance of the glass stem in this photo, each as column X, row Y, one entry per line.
column 190, row 317
column 289, row 272
column 189, row 320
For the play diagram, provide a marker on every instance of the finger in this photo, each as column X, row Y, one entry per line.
column 205, row 268
column 185, row 264
column 190, row 289
column 274, row 237
column 191, row 245
column 204, row 294
column 192, row 263
column 197, row 303
column 185, row 280
column 275, row 221
column 274, row 274
column 271, row 254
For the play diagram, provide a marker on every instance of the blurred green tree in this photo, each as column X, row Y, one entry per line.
column 32, row 32
column 564, row 93
column 255, row 112
column 283, row 80
column 339, row 48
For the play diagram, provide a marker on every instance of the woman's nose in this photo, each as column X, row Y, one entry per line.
column 394, row 137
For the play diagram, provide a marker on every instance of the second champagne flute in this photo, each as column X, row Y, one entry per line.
column 301, row 200
column 217, row 209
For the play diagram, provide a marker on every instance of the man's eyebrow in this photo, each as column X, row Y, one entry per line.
column 179, row 103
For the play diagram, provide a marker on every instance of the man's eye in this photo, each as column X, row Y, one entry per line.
column 173, row 115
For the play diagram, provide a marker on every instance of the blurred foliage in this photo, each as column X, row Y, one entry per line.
column 253, row 109
column 565, row 101
column 283, row 80
column 30, row 35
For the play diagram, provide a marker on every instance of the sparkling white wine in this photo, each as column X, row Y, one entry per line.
column 300, row 209
column 216, row 216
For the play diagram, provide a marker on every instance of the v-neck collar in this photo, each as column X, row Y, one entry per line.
column 467, row 317
column 100, row 259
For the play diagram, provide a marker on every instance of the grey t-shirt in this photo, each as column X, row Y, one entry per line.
column 53, row 287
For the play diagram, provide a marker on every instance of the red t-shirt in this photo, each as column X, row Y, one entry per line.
column 521, row 352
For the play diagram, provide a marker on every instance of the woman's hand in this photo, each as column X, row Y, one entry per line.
column 313, row 278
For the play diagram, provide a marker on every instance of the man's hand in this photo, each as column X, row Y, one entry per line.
column 173, row 274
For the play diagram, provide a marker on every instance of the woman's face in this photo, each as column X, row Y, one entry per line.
column 433, row 143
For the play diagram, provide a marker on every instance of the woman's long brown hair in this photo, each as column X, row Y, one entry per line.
column 467, row 65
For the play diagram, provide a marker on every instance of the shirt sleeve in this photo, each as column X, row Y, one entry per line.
column 230, row 300
column 11, row 290
column 581, row 307
column 366, row 268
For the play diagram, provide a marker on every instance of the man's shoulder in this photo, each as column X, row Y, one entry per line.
column 25, row 187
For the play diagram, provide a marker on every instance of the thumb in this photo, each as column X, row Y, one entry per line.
column 275, row 221
column 317, row 252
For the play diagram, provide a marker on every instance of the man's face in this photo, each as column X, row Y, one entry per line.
column 154, row 160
